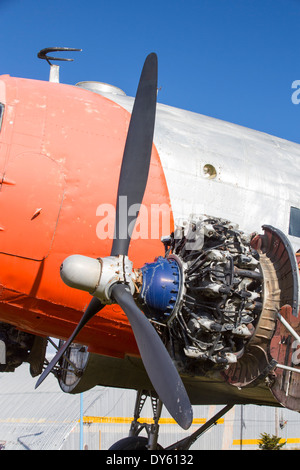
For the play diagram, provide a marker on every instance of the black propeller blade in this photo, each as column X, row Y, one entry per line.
column 137, row 154
column 132, row 183
column 94, row 307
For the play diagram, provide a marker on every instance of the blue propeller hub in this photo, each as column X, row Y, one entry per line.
column 160, row 288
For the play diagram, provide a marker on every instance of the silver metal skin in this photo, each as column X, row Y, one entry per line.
column 230, row 171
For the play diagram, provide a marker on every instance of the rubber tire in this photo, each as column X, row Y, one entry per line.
column 130, row 443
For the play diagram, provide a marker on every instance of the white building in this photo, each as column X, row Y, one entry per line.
column 48, row 419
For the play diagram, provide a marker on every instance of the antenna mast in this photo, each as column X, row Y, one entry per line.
column 54, row 69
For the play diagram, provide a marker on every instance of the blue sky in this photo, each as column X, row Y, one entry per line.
column 234, row 60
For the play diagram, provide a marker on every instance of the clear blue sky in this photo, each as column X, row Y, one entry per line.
column 234, row 60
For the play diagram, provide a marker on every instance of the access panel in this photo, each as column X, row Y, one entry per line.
column 31, row 194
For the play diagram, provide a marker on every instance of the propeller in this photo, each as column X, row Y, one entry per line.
column 132, row 183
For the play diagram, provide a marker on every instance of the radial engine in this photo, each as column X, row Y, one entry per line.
column 217, row 298
column 206, row 292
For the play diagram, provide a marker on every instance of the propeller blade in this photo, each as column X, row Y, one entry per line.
column 158, row 364
column 93, row 308
column 133, row 178
column 132, row 183
column 136, row 156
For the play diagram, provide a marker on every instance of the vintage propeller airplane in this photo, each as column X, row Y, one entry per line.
column 129, row 253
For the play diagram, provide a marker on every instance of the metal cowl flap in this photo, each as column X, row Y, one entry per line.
column 286, row 338
column 271, row 352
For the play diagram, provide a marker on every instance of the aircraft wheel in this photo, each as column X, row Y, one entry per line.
column 132, row 443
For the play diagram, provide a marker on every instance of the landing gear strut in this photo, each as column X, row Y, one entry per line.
column 187, row 442
column 136, row 442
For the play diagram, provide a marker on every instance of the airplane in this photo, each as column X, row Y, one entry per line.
column 160, row 246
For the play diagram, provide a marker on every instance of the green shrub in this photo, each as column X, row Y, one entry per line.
column 268, row 442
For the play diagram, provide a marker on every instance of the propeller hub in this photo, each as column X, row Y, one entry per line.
column 97, row 276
